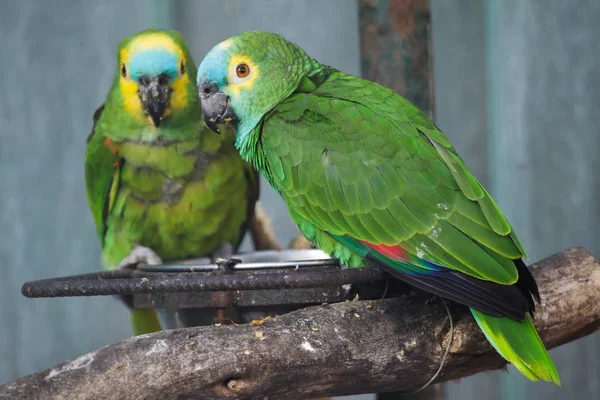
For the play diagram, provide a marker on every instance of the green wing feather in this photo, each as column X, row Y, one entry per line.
column 101, row 176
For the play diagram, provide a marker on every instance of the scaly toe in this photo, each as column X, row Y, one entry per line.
column 140, row 254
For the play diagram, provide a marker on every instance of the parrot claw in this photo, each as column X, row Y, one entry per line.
column 222, row 257
column 227, row 264
column 140, row 254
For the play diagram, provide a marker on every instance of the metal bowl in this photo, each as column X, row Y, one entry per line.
column 266, row 259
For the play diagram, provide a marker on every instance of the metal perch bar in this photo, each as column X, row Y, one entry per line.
column 113, row 283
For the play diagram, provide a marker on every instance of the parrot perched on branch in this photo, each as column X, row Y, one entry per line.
column 160, row 185
column 371, row 180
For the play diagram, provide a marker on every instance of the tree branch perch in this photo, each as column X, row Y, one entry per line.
column 261, row 230
column 352, row 347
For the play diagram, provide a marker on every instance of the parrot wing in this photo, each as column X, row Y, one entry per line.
column 102, row 171
column 367, row 167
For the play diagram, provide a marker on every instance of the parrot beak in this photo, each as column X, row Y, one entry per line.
column 216, row 106
column 154, row 94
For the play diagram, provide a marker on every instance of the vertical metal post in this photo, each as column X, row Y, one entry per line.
column 395, row 44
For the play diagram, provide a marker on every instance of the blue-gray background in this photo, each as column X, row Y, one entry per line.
column 517, row 87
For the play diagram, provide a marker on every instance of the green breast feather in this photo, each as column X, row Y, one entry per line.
column 180, row 199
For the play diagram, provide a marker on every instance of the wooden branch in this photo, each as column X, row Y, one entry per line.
column 300, row 242
column 352, row 347
column 262, row 231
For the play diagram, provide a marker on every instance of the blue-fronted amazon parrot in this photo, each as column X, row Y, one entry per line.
column 161, row 186
column 369, row 179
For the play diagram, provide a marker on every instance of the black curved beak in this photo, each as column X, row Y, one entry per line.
column 216, row 107
column 154, row 93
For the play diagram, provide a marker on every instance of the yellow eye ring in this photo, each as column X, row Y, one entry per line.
column 123, row 71
column 242, row 70
column 182, row 68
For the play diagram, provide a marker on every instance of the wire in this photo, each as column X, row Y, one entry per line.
column 387, row 283
column 445, row 353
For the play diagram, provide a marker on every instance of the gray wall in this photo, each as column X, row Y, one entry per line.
column 516, row 84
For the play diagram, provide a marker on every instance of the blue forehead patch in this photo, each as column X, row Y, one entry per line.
column 153, row 63
column 214, row 67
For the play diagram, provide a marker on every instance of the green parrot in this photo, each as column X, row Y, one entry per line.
column 369, row 179
column 160, row 185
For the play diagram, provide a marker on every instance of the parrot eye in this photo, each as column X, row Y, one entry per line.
column 123, row 71
column 242, row 70
column 182, row 68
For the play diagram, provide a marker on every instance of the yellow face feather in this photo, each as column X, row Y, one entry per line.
column 131, row 100
column 235, row 83
column 178, row 96
column 151, row 41
column 129, row 87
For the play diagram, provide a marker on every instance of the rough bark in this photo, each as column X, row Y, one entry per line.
column 352, row 347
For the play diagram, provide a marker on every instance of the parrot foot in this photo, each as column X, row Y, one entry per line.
column 140, row 254
column 222, row 257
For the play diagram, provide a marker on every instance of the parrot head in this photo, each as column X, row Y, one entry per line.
column 245, row 76
column 155, row 76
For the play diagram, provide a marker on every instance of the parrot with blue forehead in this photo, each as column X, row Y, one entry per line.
column 160, row 185
column 370, row 179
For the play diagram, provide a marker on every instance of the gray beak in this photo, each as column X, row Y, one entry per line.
column 154, row 94
column 216, row 107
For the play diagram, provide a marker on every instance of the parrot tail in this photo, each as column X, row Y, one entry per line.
column 519, row 343
column 144, row 320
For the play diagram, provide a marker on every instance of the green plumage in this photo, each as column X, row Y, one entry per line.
column 178, row 189
column 370, row 179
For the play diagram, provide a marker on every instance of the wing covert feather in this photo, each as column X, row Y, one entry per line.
column 368, row 164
